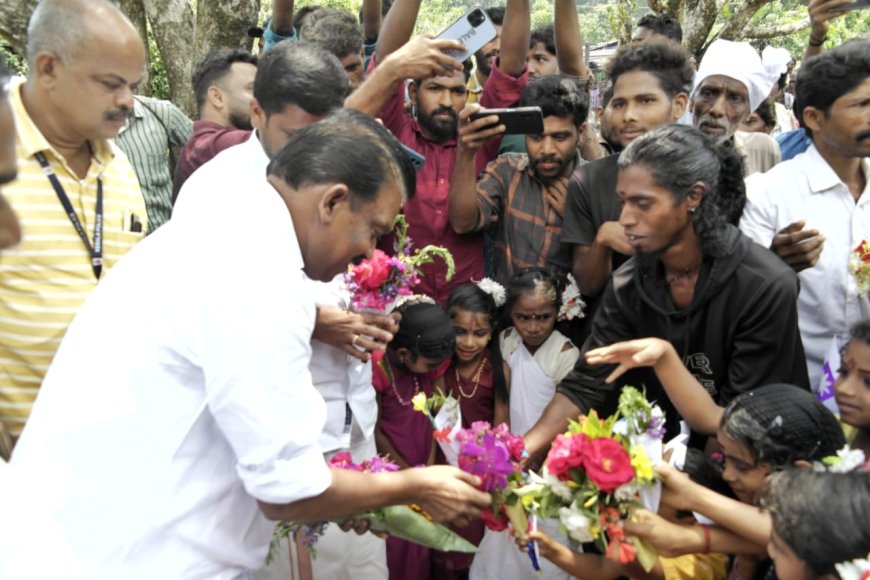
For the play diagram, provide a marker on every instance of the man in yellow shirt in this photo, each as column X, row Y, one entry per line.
column 76, row 195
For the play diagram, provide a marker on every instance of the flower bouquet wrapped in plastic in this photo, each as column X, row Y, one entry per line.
column 446, row 418
column 595, row 474
column 859, row 266
column 376, row 284
column 403, row 521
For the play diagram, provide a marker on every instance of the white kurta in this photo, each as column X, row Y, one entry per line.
column 533, row 384
column 180, row 397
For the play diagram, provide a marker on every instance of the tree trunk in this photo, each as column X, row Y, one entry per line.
column 14, row 15
column 172, row 24
column 697, row 18
column 740, row 19
column 135, row 11
column 224, row 24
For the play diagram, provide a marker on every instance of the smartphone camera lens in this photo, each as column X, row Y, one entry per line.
column 476, row 17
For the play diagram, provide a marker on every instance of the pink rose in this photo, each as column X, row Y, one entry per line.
column 566, row 453
column 607, row 464
column 371, row 274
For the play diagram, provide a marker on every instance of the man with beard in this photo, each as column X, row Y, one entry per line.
column 484, row 59
column 223, row 84
column 730, row 84
column 431, row 131
column 813, row 210
column 76, row 194
column 521, row 197
column 649, row 81
column 725, row 303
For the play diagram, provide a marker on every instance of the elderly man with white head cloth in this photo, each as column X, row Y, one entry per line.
column 730, row 83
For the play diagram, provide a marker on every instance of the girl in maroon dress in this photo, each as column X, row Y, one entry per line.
column 414, row 362
column 476, row 379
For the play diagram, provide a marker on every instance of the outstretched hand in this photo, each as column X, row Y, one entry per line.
column 472, row 135
column 821, row 16
column 356, row 334
column 450, row 495
column 644, row 352
column 669, row 539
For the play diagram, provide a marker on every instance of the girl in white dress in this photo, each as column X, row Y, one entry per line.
column 537, row 357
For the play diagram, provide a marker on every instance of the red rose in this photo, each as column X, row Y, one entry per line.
column 371, row 274
column 517, row 446
column 565, row 454
column 494, row 522
column 607, row 464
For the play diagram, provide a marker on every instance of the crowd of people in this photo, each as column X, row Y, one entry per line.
column 707, row 211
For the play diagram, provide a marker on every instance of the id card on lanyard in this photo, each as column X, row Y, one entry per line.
column 95, row 251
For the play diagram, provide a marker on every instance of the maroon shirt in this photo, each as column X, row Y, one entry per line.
column 427, row 213
column 208, row 140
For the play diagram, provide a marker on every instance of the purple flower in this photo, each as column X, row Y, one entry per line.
column 656, row 426
column 378, row 465
column 489, row 460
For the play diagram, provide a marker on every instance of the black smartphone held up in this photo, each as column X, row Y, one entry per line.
column 517, row 121
column 473, row 29
column 856, row 5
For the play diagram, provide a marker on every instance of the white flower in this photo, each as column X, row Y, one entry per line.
column 849, row 460
column 854, row 569
column 627, row 491
column 558, row 487
column 494, row 289
column 621, row 427
column 576, row 523
column 572, row 304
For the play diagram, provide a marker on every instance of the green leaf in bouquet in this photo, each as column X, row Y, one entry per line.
column 403, row 522
column 428, row 254
column 646, row 554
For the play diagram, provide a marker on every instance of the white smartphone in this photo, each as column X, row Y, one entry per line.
column 473, row 29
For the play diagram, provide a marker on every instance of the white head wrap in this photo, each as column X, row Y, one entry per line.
column 775, row 61
column 739, row 61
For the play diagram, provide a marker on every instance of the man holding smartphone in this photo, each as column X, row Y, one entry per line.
column 431, row 130
column 521, row 197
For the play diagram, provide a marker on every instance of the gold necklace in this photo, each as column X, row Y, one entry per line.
column 475, row 380
column 402, row 401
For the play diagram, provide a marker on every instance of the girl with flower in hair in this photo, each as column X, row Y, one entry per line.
column 820, row 525
column 475, row 378
column 537, row 357
column 414, row 361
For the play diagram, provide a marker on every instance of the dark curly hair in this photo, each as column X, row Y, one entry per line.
column 679, row 156
column 545, row 35
column 669, row 62
column 557, row 96
column 425, row 330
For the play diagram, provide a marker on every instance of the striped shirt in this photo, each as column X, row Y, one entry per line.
column 156, row 127
column 526, row 229
column 46, row 278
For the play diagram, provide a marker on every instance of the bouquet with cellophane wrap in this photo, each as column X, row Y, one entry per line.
column 408, row 522
column 378, row 283
column 597, row 472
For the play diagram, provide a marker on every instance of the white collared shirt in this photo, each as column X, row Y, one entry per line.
column 343, row 381
column 161, row 425
column 806, row 188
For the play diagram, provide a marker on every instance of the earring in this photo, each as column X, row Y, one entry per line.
column 692, row 210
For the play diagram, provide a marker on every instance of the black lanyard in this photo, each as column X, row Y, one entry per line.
column 95, row 251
